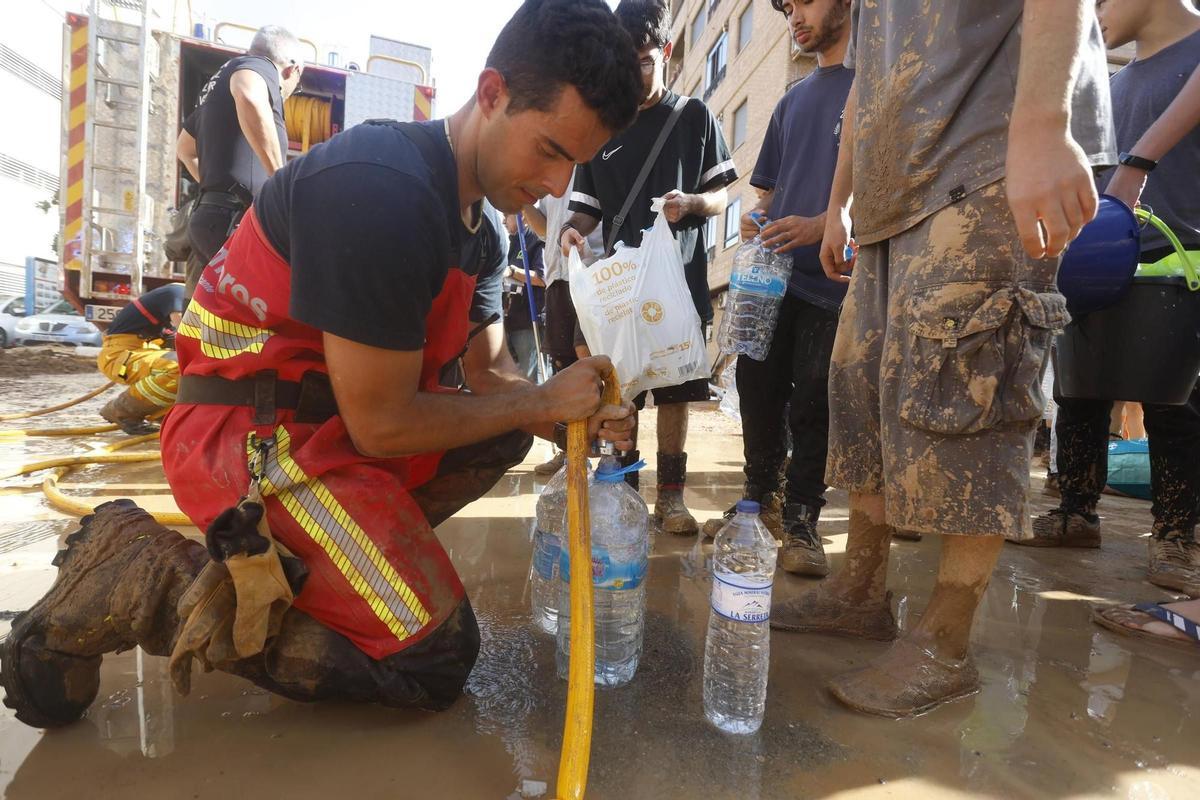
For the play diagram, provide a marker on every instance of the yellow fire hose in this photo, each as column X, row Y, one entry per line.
column 86, row 430
column 581, row 687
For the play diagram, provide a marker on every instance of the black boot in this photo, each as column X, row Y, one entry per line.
column 627, row 459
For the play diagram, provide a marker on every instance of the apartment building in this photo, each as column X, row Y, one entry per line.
column 738, row 57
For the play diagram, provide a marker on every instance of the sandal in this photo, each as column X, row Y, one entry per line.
column 1117, row 619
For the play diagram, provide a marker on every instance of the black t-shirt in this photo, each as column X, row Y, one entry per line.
column 370, row 224
column 694, row 159
column 227, row 162
column 150, row 315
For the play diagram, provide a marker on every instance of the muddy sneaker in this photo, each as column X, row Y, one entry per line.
column 770, row 514
column 118, row 583
column 802, row 552
column 1052, row 486
column 552, row 466
column 1175, row 564
column 129, row 414
column 905, row 681
column 713, row 526
column 818, row 611
column 1061, row 528
column 671, row 515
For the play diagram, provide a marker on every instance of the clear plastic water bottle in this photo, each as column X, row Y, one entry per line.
column 550, row 521
column 757, row 284
column 738, row 648
column 620, row 556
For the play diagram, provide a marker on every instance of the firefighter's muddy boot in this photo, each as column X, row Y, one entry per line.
column 129, row 413
column 119, row 581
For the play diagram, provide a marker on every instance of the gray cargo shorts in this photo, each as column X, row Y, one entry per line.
column 935, row 381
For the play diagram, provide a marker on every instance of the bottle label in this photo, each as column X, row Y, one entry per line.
column 758, row 280
column 741, row 598
column 606, row 573
column 545, row 553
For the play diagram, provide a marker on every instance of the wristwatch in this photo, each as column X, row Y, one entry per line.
column 1137, row 162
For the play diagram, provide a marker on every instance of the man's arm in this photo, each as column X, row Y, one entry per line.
column 841, row 197
column 252, row 99
column 1180, row 118
column 703, row 204
column 387, row 416
column 536, row 220
column 1050, row 188
column 575, row 231
column 188, row 155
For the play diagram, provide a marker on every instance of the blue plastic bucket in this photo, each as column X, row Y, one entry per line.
column 1098, row 266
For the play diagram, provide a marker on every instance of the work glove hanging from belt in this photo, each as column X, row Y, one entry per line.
column 239, row 599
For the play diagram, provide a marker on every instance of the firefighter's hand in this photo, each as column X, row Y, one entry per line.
column 572, row 238
column 614, row 424
column 574, row 393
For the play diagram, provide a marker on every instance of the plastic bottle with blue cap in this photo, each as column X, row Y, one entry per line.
column 757, row 285
column 620, row 557
column 737, row 650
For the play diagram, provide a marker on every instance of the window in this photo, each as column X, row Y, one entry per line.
column 741, row 119
column 745, row 27
column 698, row 25
column 733, row 221
column 710, row 237
column 714, row 70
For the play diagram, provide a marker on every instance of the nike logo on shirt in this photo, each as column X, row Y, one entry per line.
column 606, row 155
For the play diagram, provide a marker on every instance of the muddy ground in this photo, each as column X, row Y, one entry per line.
column 30, row 360
column 1067, row 710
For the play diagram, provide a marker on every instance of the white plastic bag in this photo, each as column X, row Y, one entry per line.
column 635, row 308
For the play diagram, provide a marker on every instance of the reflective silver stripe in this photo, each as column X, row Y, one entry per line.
column 724, row 166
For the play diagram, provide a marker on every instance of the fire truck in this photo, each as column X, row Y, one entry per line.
column 129, row 87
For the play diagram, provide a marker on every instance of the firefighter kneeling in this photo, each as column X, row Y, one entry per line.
column 134, row 354
column 314, row 437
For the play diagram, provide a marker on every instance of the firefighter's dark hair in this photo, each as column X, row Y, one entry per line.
column 648, row 22
column 549, row 44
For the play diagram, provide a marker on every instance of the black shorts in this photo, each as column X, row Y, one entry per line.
column 560, row 327
column 691, row 392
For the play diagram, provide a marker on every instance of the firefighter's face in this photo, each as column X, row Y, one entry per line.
column 528, row 154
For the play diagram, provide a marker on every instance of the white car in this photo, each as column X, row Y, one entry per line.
column 12, row 311
column 58, row 324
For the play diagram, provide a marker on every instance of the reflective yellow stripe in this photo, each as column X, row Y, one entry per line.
column 220, row 338
column 319, row 513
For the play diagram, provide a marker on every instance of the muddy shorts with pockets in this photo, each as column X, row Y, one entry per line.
column 935, row 380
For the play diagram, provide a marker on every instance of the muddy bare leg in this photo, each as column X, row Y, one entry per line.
column 930, row 665
column 855, row 601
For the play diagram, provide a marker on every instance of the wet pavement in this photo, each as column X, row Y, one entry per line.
column 1067, row 709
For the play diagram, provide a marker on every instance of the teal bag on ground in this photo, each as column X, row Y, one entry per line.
column 1129, row 467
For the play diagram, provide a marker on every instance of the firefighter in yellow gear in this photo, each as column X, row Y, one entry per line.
column 135, row 353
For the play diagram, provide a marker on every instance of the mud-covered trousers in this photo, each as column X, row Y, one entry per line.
column 308, row 661
column 1174, row 434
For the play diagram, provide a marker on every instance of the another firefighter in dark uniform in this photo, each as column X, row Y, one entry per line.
column 135, row 353
column 235, row 138
column 311, row 423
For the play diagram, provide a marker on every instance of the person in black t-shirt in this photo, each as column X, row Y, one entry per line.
column 235, row 138
column 133, row 354
column 691, row 172
column 310, row 400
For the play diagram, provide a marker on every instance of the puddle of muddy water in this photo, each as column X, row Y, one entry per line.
column 1067, row 710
